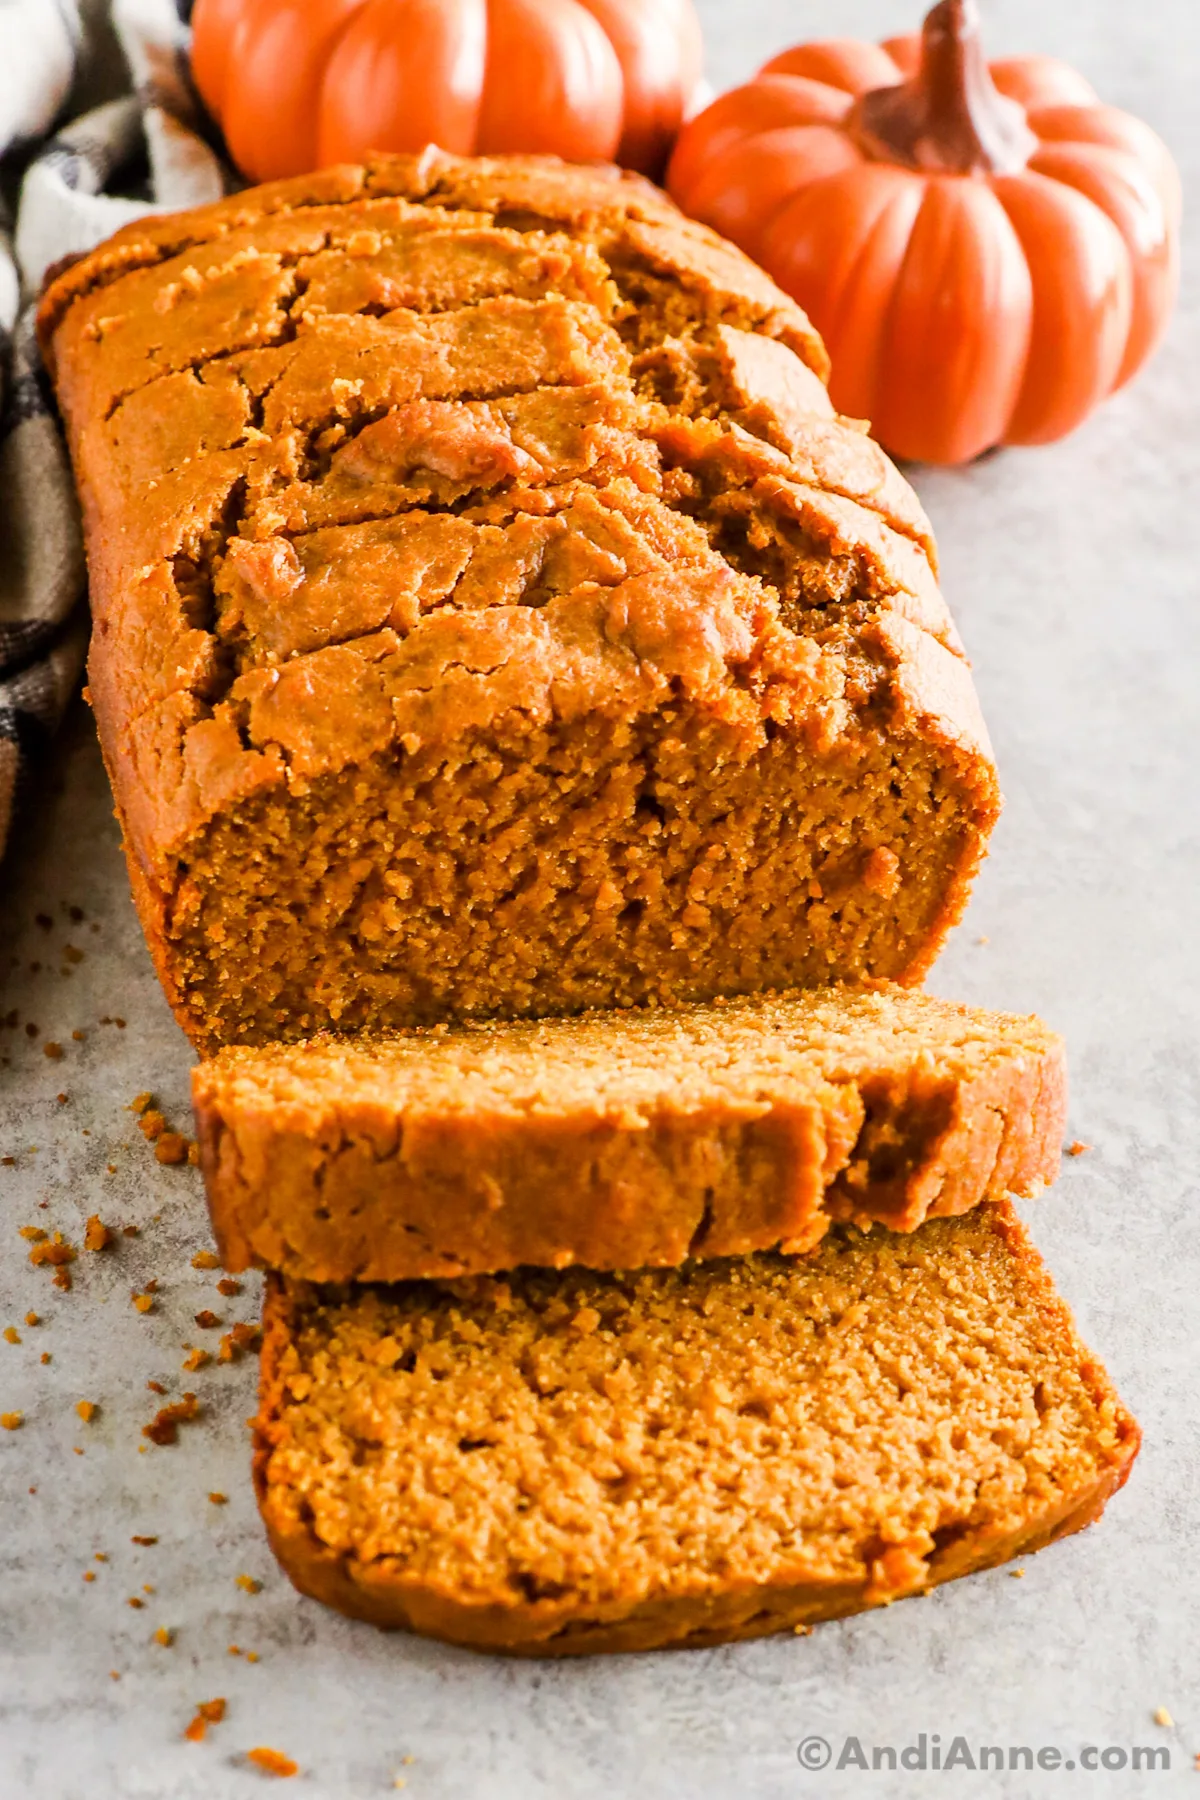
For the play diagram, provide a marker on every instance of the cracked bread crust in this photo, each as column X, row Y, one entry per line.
column 622, row 1140
column 491, row 613
column 556, row 1464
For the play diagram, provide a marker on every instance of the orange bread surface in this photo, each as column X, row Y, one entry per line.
column 622, row 1139
column 550, row 1463
column 491, row 614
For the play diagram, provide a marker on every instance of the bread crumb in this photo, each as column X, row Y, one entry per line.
column 55, row 1254
column 45, row 1356
column 152, row 1124
column 100, row 1556
column 249, row 1585
column 171, row 1148
column 143, row 1540
column 209, row 1712
column 144, row 1302
column 1162, row 1716
column 12, row 1421
column 96, row 1235
column 1077, row 1147
column 241, row 1337
column 1017, row 1574
column 140, row 1102
column 114, row 1675
column 272, row 1762
column 196, row 1359
column 252, row 1656
column 206, row 1259
column 32, row 1318
column 802, row 1630
column 79, row 1036
column 33, row 1234
column 219, row 1499
column 52, row 1050
column 164, row 1636
column 156, row 1387
column 207, row 1321
column 229, row 1287
column 164, row 1426
column 89, row 1574
column 11, row 1335
column 87, row 1410
column 136, row 1601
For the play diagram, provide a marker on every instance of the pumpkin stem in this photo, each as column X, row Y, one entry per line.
column 950, row 118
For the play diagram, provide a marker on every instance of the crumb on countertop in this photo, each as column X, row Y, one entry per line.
column 164, row 1426
column 97, row 1235
column 272, row 1762
column 209, row 1712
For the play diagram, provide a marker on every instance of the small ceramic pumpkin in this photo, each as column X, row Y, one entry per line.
column 299, row 84
column 988, row 251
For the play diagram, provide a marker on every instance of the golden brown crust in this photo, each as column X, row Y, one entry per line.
column 392, row 470
column 623, row 1140
column 388, row 1449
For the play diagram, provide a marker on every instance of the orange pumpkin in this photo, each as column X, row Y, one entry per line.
column 988, row 251
column 298, row 84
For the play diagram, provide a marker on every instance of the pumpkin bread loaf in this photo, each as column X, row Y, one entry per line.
column 622, row 1139
column 567, row 1462
column 492, row 615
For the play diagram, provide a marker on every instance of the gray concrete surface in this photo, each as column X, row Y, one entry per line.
column 1072, row 571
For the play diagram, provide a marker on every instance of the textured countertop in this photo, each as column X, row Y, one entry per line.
column 1072, row 571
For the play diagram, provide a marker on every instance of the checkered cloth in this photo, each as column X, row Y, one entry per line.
column 147, row 145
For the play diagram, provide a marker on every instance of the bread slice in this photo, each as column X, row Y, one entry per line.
column 492, row 615
column 564, row 1463
column 623, row 1139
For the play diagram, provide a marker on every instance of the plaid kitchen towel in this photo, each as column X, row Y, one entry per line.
column 139, row 152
